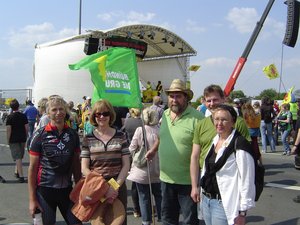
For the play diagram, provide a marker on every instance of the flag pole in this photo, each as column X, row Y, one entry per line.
column 280, row 78
column 80, row 7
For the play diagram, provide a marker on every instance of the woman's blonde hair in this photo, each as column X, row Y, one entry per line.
column 135, row 112
column 103, row 105
column 150, row 117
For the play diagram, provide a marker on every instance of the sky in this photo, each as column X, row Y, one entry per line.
column 217, row 30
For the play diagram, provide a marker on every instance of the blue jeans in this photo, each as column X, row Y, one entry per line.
column 175, row 199
column 284, row 136
column 144, row 200
column 135, row 198
column 213, row 211
column 266, row 131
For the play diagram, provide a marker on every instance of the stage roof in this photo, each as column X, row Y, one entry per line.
column 161, row 42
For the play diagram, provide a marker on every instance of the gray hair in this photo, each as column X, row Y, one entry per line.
column 150, row 117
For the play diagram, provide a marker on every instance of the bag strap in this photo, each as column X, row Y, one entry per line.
column 222, row 160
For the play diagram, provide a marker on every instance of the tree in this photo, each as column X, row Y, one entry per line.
column 237, row 94
column 271, row 93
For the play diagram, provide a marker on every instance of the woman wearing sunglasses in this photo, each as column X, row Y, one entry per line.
column 105, row 150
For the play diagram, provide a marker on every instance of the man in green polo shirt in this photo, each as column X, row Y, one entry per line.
column 205, row 132
column 175, row 147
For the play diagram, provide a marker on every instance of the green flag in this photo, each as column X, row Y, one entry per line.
column 114, row 75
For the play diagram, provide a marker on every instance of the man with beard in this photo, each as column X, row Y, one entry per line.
column 205, row 132
column 175, row 147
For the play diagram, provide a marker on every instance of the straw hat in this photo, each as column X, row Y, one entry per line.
column 178, row 85
column 109, row 214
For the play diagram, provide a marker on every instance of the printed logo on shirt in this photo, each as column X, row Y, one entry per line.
column 61, row 145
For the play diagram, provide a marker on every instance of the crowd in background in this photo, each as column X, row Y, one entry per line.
column 189, row 152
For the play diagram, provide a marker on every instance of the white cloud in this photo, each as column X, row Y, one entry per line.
column 136, row 18
column 193, row 26
column 143, row 17
column 110, row 16
column 242, row 19
column 126, row 18
column 217, row 62
column 28, row 36
column 274, row 28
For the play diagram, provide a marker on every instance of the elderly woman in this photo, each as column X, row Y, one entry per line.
column 54, row 158
column 227, row 178
column 105, row 150
column 130, row 125
column 140, row 175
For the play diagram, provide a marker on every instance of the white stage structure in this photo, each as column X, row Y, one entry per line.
column 165, row 58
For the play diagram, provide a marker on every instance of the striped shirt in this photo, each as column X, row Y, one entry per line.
column 106, row 158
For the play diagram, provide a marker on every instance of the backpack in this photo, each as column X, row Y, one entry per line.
column 239, row 143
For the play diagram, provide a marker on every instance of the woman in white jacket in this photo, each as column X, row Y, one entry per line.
column 227, row 178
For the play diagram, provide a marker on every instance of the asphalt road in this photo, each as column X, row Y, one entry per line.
column 275, row 206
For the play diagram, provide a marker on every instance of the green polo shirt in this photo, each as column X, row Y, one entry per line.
column 205, row 132
column 175, row 147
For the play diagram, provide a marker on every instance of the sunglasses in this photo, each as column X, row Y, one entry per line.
column 104, row 114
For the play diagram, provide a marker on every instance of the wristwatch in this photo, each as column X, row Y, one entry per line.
column 243, row 213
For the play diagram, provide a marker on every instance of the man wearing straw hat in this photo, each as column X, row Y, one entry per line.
column 175, row 147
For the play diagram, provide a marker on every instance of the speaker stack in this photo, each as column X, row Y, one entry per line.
column 292, row 25
column 91, row 45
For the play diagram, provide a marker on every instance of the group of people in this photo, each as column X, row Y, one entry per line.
column 267, row 120
column 190, row 159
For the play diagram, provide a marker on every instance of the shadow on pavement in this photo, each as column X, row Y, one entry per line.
column 293, row 221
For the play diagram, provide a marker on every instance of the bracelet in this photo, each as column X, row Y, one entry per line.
column 296, row 145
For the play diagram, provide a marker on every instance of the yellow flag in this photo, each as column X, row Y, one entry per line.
column 8, row 100
column 271, row 71
column 288, row 96
column 194, row 68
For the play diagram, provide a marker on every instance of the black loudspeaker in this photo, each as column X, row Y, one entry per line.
column 91, row 45
column 292, row 25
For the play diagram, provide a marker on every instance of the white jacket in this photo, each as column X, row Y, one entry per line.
column 235, row 180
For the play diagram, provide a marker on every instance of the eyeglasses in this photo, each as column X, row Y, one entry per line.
column 104, row 114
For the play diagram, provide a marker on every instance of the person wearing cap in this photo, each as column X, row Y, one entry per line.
column 238, row 106
column 205, row 132
column 174, row 150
